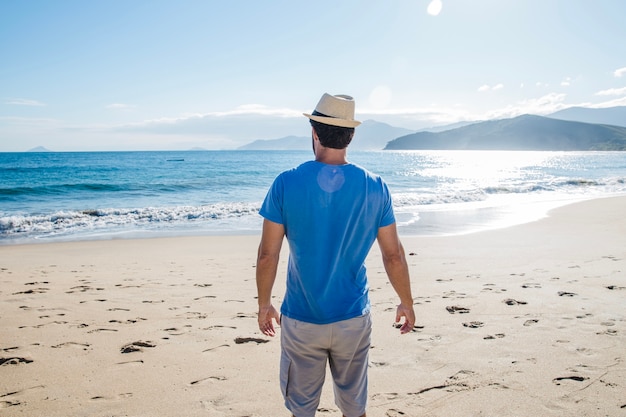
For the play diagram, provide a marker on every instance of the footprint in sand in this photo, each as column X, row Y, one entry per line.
column 386, row 396
column 101, row 330
column 615, row 287
column 84, row 346
column 14, row 361
column 9, row 349
column 608, row 332
column 558, row 380
column 33, row 291
column 457, row 309
column 454, row 294
column 531, row 322
column 117, row 397
column 130, row 362
column 214, row 378
column 240, row 340
column 492, row 337
column 415, row 328
column 512, row 302
column 191, row 315
column 566, row 294
column 136, row 346
column 474, row 324
column 7, row 404
column 204, row 296
column 219, row 326
column 394, row 413
column 216, row 347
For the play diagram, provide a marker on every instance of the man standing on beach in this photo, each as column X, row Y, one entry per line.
column 331, row 212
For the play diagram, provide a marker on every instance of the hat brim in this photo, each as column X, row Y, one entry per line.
column 333, row 121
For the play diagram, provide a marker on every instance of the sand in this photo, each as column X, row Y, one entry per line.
column 524, row 321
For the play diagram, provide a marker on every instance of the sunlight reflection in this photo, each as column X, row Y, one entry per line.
column 482, row 166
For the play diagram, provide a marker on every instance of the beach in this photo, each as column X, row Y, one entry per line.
column 525, row 320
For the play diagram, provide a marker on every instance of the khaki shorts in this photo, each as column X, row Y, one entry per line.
column 307, row 347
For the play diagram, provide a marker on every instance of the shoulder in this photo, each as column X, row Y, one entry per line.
column 302, row 168
column 294, row 174
column 367, row 173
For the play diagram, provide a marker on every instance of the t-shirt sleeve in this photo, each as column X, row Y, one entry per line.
column 388, row 216
column 272, row 207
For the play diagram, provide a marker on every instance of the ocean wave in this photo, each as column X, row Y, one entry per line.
column 107, row 220
column 410, row 199
column 471, row 194
column 60, row 189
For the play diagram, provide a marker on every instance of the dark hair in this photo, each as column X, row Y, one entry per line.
column 335, row 137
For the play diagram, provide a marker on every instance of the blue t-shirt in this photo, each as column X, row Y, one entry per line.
column 331, row 215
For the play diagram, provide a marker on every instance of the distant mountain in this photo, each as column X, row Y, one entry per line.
column 373, row 135
column 295, row 143
column 615, row 116
column 447, row 127
column 39, row 149
column 370, row 135
column 525, row 132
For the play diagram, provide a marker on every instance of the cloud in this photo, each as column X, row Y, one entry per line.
column 25, row 102
column 418, row 117
column 434, row 7
column 612, row 92
column 620, row 72
column 566, row 82
column 611, row 103
column 245, row 123
column 484, row 88
column 258, row 109
column 546, row 104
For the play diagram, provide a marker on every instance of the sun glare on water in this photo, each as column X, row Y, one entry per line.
column 482, row 167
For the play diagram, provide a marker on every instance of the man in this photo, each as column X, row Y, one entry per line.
column 331, row 212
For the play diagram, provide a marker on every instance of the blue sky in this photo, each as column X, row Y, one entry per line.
column 135, row 75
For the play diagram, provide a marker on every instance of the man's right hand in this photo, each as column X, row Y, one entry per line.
column 409, row 318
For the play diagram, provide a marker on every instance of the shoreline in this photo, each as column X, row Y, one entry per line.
column 524, row 320
column 432, row 222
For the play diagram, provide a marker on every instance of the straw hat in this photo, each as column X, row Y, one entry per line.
column 335, row 110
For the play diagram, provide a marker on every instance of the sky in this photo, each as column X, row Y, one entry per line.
column 101, row 75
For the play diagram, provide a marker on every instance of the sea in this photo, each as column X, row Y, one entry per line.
column 70, row 196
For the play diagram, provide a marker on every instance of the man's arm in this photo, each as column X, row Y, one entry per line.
column 398, row 273
column 266, row 266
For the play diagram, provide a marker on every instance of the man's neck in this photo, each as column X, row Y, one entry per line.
column 331, row 156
